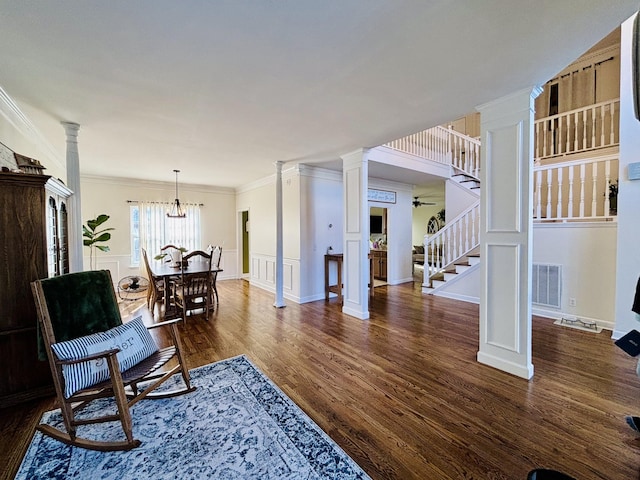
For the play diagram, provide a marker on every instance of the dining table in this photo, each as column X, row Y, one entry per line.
column 168, row 271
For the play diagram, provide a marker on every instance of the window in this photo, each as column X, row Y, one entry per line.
column 553, row 99
column 134, row 215
column 151, row 229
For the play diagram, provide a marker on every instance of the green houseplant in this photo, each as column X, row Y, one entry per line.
column 613, row 198
column 160, row 256
column 94, row 236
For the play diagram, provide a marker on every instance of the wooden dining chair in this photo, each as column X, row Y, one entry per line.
column 216, row 256
column 92, row 354
column 194, row 290
column 155, row 292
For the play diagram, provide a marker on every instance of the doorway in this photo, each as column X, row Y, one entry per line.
column 378, row 243
column 244, row 222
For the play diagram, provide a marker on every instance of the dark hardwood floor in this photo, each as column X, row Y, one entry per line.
column 403, row 394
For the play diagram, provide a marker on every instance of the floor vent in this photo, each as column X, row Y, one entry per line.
column 546, row 285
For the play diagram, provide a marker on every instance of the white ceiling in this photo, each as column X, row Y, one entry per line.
column 222, row 89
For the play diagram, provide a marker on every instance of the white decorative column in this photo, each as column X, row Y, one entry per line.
column 279, row 301
column 506, row 232
column 74, row 202
column 627, row 252
column 355, row 174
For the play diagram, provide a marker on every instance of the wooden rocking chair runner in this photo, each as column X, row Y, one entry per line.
column 81, row 331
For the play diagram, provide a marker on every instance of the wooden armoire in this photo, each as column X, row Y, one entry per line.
column 33, row 245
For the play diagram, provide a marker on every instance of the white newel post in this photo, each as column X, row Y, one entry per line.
column 355, row 174
column 279, row 300
column 506, row 232
column 74, row 201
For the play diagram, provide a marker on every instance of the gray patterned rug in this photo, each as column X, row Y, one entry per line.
column 236, row 425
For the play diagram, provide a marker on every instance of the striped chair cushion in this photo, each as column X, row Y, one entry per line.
column 132, row 338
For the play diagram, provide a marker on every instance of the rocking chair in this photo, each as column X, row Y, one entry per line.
column 93, row 354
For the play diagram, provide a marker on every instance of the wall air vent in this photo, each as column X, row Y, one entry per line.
column 546, row 285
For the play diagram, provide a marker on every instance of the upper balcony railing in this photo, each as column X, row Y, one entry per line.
column 442, row 145
column 579, row 190
column 588, row 128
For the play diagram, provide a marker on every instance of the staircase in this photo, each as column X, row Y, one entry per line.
column 576, row 173
column 453, row 250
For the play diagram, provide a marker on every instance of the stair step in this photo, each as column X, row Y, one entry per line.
column 474, row 183
column 473, row 259
column 448, row 276
column 463, row 175
column 462, row 267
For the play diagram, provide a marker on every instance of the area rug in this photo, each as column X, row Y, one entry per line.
column 236, row 425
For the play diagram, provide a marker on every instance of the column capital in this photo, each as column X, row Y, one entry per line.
column 71, row 128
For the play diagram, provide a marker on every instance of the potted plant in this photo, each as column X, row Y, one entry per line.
column 613, row 198
column 162, row 255
column 93, row 236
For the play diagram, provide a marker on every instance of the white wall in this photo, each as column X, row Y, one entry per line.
column 17, row 133
column 587, row 255
column 109, row 195
column 321, row 227
column 399, row 230
column 259, row 199
column 457, row 199
column 628, row 254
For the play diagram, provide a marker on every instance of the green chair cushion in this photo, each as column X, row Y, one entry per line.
column 80, row 304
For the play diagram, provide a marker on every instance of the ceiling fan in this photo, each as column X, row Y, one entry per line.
column 417, row 203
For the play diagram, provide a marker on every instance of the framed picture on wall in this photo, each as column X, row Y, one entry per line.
column 382, row 196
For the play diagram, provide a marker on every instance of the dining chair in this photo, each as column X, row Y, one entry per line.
column 216, row 256
column 155, row 292
column 194, row 290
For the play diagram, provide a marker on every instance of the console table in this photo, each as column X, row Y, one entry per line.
column 337, row 288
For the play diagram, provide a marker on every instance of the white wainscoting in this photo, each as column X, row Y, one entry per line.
column 263, row 268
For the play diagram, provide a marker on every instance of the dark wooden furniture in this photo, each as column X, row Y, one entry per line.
column 156, row 290
column 70, row 308
column 32, row 245
column 337, row 287
column 167, row 271
column 379, row 264
column 194, row 291
column 216, row 257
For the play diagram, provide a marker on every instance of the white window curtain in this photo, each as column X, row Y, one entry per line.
column 157, row 230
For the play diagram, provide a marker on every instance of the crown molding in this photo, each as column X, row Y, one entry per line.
column 12, row 113
column 154, row 185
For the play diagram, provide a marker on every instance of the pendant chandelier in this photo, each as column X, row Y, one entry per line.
column 176, row 209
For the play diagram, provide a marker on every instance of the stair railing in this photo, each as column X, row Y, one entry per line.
column 465, row 152
column 586, row 128
column 442, row 145
column 455, row 240
column 576, row 191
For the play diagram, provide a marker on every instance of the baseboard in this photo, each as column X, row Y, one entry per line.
column 458, row 296
column 521, row 371
column 558, row 315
